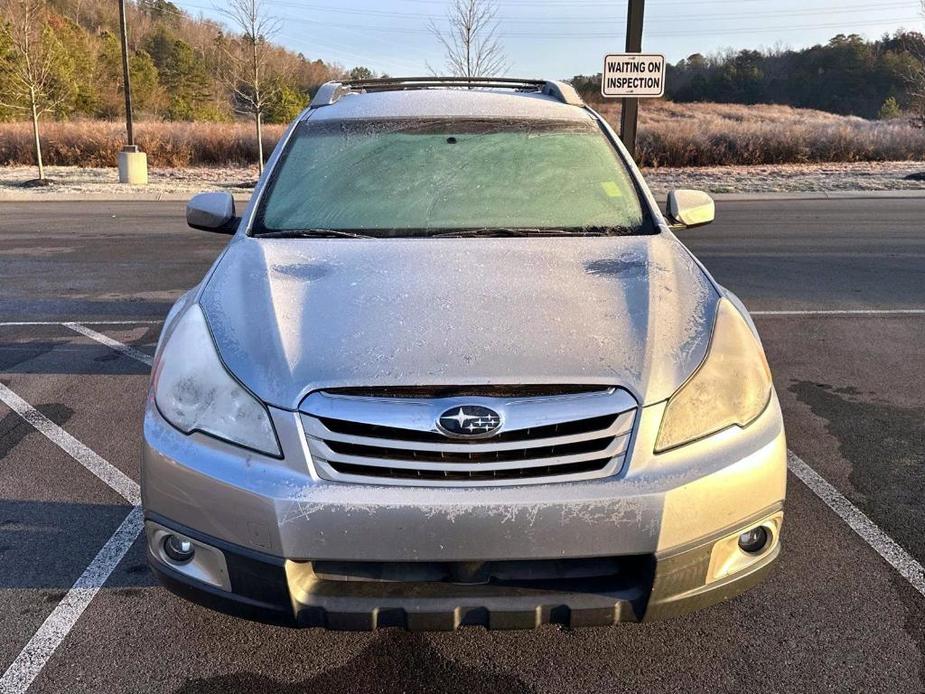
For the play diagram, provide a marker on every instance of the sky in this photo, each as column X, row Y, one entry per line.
column 557, row 39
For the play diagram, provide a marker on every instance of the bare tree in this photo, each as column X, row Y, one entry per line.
column 248, row 58
column 75, row 7
column 29, row 67
column 915, row 88
column 915, row 79
column 471, row 46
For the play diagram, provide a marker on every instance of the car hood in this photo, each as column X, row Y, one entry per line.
column 294, row 315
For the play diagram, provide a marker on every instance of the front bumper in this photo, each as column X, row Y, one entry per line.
column 667, row 519
column 276, row 591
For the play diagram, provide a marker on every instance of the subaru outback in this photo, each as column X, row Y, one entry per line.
column 452, row 368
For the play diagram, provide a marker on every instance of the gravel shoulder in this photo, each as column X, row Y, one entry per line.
column 785, row 178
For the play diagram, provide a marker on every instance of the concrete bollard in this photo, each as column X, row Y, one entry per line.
column 133, row 166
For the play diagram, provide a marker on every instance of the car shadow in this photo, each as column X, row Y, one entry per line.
column 395, row 661
column 66, row 352
column 48, row 545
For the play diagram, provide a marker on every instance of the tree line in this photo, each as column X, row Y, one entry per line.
column 181, row 68
column 848, row 75
column 64, row 58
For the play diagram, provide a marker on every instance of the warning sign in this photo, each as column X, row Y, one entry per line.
column 633, row 74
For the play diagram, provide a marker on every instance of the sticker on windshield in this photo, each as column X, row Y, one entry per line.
column 612, row 189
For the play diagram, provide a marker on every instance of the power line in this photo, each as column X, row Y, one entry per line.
column 843, row 9
column 593, row 35
column 336, row 51
column 608, row 4
column 846, row 9
column 383, row 33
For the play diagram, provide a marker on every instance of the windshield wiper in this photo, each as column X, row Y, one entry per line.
column 502, row 231
column 313, row 233
column 484, row 232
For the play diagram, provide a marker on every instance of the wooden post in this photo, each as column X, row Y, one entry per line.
column 126, row 81
column 630, row 112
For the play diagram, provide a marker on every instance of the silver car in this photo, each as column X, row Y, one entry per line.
column 455, row 368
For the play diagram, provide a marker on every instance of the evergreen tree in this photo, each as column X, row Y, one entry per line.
column 181, row 73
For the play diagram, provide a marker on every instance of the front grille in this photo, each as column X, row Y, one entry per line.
column 481, row 456
column 395, row 440
column 450, row 475
column 580, row 426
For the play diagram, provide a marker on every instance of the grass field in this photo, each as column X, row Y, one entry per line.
column 97, row 143
column 670, row 135
column 732, row 134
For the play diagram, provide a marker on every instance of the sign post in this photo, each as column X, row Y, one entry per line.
column 629, row 116
column 632, row 75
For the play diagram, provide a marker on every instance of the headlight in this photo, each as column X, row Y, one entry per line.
column 194, row 392
column 731, row 386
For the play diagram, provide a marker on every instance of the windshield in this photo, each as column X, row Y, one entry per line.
column 415, row 177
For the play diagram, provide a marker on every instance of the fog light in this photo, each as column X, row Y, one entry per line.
column 754, row 540
column 178, row 549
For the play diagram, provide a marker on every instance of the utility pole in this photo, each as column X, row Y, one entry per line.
column 630, row 112
column 133, row 164
column 126, row 80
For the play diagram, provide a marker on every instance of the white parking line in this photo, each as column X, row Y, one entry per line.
column 112, row 476
column 846, row 312
column 120, row 347
column 85, row 322
column 883, row 544
column 33, row 658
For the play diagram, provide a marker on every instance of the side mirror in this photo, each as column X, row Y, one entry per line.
column 212, row 212
column 690, row 208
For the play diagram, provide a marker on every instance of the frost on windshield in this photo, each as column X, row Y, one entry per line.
column 418, row 175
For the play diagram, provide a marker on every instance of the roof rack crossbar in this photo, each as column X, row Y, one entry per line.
column 438, row 83
column 443, row 80
column 331, row 92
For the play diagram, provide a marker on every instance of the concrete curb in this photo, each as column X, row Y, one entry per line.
column 244, row 197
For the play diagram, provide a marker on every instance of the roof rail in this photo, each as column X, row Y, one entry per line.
column 331, row 92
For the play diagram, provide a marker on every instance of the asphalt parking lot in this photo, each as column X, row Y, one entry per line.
column 837, row 289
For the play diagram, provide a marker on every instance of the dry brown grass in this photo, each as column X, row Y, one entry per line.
column 97, row 143
column 724, row 134
column 670, row 135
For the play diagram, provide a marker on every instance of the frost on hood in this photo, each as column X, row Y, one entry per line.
column 294, row 315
